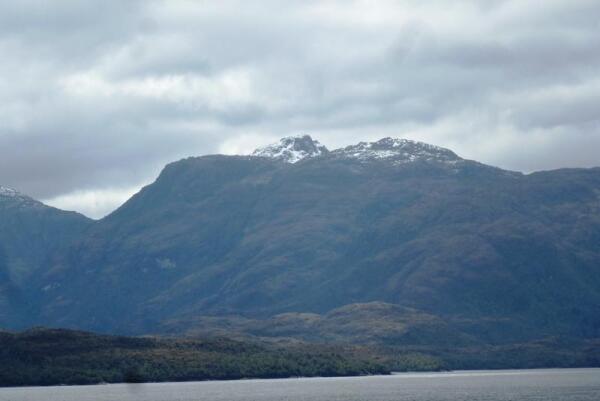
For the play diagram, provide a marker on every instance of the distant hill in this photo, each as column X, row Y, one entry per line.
column 301, row 236
column 372, row 324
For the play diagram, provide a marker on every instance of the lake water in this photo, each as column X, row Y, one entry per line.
column 518, row 385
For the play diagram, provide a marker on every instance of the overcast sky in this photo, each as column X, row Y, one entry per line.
column 95, row 97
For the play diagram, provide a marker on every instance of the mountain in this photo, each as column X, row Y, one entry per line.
column 296, row 231
column 31, row 233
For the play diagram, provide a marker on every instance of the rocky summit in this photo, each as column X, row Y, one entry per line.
column 397, row 151
column 292, row 149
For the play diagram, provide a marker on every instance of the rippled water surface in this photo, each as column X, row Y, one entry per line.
column 522, row 385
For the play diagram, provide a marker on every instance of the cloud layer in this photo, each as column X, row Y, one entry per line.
column 97, row 96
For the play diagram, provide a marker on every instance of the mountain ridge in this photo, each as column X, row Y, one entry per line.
column 293, row 149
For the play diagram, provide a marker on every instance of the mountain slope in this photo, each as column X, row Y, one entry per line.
column 31, row 234
column 498, row 254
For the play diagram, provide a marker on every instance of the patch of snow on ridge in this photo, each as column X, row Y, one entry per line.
column 398, row 150
column 15, row 197
column 9, row 192
column 292, row 149
column 392, row 150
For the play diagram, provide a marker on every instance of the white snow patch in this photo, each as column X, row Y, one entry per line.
column 398, row 151
column 292, row 149
column 14, row 196
column 9, row 192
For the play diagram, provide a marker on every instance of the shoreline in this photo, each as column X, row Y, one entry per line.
column 398, row 375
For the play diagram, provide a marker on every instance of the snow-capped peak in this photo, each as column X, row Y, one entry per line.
column 292, row 149
column 9, row 192
column 397, row 150
column 14, row 197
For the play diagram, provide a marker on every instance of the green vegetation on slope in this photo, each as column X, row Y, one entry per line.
column 51, row 356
